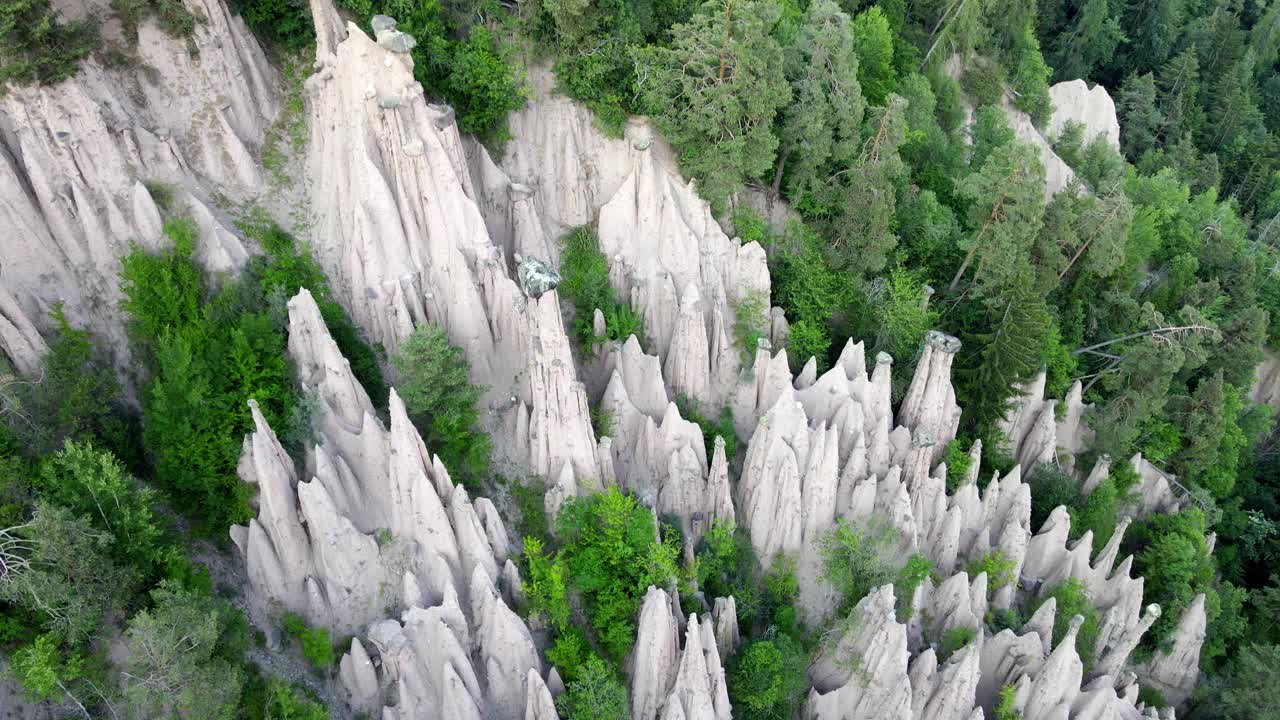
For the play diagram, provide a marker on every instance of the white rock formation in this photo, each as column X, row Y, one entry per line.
column 668, row 682
column 74, row 158
column 1091, row 108
column 381, row 528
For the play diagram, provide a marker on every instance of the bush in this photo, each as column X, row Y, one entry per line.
column 437, row 392
column 725, row 567
column 317, row 647
column 37, row 47
column 721, row 427
column 1051, row 487
column 914, row 572
column 287, row 268
column 584, row 282
column 1071, row 601
column 529, row 497
column 286, row 23
column 750, row 324
column 857, row 559
column 597, row 694
column 953, row 640
column 1005, row 709
column 609, row 546
column 958, row 465
column 767, row 679
column 1000, row 571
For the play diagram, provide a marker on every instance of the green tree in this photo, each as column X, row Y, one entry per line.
column 1072, row 599
column 47, row 671
column 857, row 559
column 715, row 91
column 1141, row 119
column 1007, row 206
column 1008, row 349
column 873, row 44
column 181, row 656
column 441, row 401
column 67, row 577
column 597, row 694
column 767, row 679
column 820, row 129
column 1089, row 43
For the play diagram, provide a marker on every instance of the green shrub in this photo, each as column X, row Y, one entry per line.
column 584, row 283
column 725, row 567
column 286, row 23
column 721, row 427
column 1000, row 571
column 767, row 679
column 1051, row 487
column 36, row 47
column 1004, row 619
column 955, row 639
column 529, row 496
column 437, row 391
column 1072, row 601
column 1151, row 697
column 1005, row 709
column 287, row 268
column 597, row 694
column 171, row 15
column 608, row 544
column 917, row 568
column 317, row 647
column 857, row 559
column 958, row 465
column 750, row 323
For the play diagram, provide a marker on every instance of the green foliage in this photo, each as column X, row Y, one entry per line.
column 955, row 639
column 287, row 23
column 857, row 559
column 437, row 392
column 1000, row 571
column 609, row 548
column 767, row 679
column 584, row 282
column 289, row 267
column 546, row 586
column 71, row 583
column 94, row 485
column 900, row 316
column 468, row 66
column 873, row 43
column 172, row 16
column 529, row 496
column 715, row 91
column 1247, row 690
column 291, row 703
column 726, row 567
column 36, row 47
column 1005, row 707
column 183, row 656
column 1051, row 487
column 74, row 396
column 917, row 568
column 959, row 464
column 1072, row 599
column 721, row 427
column 1174, row 563
column 750, row 323
column 597, row 694
column 43, row 668
column 317, row 646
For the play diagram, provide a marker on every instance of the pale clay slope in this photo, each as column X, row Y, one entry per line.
column 74, row 157
column 434, row 237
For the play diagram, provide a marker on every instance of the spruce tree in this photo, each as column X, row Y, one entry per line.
column 715, row 92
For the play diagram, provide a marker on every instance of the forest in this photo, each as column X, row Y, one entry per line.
column 1153, row 278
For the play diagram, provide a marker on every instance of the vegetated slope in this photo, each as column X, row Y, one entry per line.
column 1161, row 286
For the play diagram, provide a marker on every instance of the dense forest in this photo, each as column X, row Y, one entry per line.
column 1153, row 279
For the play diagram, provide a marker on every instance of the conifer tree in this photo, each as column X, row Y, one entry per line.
column 873, row 43
column 1141, row 119
column 820, row 129
column 716, row 90
column 1090, row 42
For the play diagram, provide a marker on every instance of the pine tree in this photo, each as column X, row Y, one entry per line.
column 716, row 90
column 1141, row 119
column 1009, row 350
column 873, row 42
column 1090, row 43
column 820, row 129
column 1178, row 84
column 1153, row 27
column 1005, row 212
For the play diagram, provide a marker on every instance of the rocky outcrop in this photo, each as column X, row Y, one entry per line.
column 1266, row 383
column 1035, row 433
column 76, row 160
column 381, row 529
column 669, row 682
column 1176, row 671
column 1091, row 108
